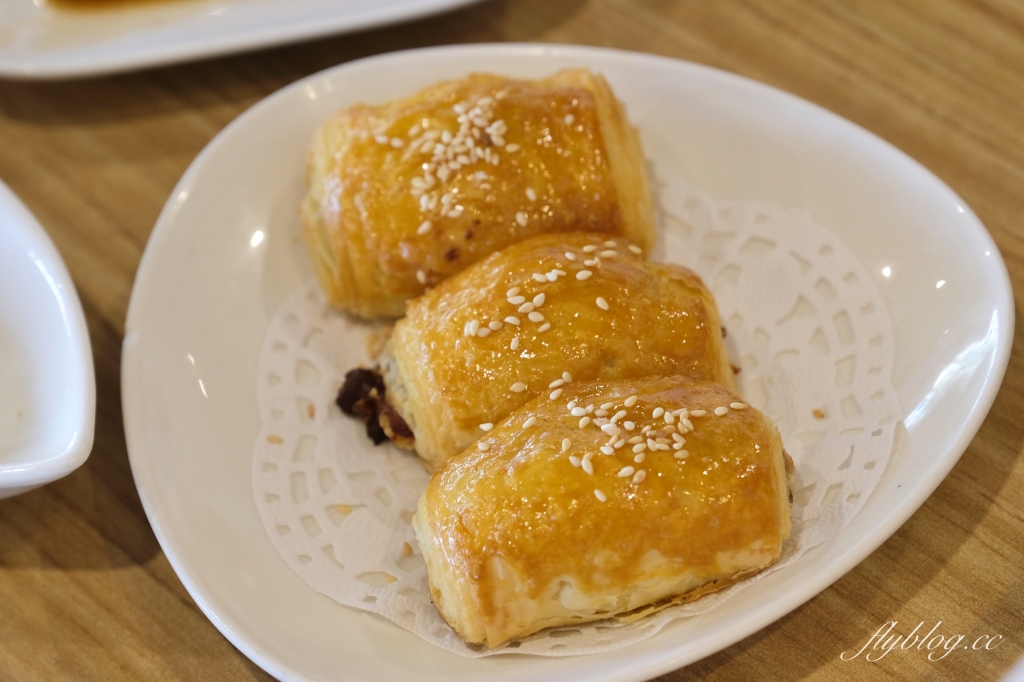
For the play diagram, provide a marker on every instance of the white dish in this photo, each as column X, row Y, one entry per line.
column 39, row 40
column 47, row 388
column 226, row 252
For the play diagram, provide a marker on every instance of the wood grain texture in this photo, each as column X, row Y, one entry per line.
column 87, row 594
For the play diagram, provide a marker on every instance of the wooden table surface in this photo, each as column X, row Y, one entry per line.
column 86, row 592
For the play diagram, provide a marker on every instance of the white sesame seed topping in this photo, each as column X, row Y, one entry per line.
column 556, row 383
column 514, row 291
column 611, row 428
column 651, row 444
column 521, row 218
column 424, row 228
column 514, row 343
column 483, row 447
column 557, row 273
column 474, row 325
column 583, row 274
column 555, row 394
column 584, row 421
column 607, row 406
column 397, row 142
column 513, row 320
column 639, row 477
column 538, row 300
column 530, row 194
column 591, row 262
column 601, row 303
column 635, row 249
column 607, row 450
column 455, row 212
column 483, row 332
column 682, row 454
column 600, row 495
column 663, row 446
column 630, row 401
column 526, row 308
column 486, row 427
column 529, row 422
column 687, row 423
column 738, row 406
column 516, row 300
column 536, row 317
column 544, row 327
column 629, row 426
column 639, row 447
column 601, row 413
column 609, row 253
column 421, row 277
column 682, row 413
column 619, row 443
column 566, row 444
column 658, row 411
column 590, row 408
column 626, row 471
column 669, row 417
column 513, row 147
column 537, row 277
column 645, row 429
column 578, row 412
column 517, row 387
column 587, row 465
column 635, row 439
column 589, row 248
column 677, row 438
column 570, row 255
column 721, row 411
column 569, row 118
column 610, row 244
column 574, row 460
column 697, row 413
column 495, row 325
column 381, row 139
column 618, row 415
column 640, row 457
column 572, row 404
column 567, row 377
column 551, row 276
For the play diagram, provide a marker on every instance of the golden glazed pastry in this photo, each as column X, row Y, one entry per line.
column 554, row 308
column 679, row 492
column 405, row 194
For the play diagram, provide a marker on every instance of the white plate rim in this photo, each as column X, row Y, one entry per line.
column 761, row 615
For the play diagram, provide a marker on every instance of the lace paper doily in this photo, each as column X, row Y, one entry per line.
column 805, row 322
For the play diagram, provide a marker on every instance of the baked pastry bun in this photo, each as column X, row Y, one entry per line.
column 548, row 310
column 679, row 491
column 405, row 194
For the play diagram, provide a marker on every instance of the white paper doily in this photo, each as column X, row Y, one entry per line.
column 806, row 325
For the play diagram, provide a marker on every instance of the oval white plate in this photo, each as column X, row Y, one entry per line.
column 41, row 41
column 47, row 387
column 226, row 251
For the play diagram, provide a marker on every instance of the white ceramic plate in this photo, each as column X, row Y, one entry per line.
column 39, row 40
column 226, row 251
column 47, row 388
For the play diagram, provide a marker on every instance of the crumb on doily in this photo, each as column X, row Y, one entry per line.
column 818, row 414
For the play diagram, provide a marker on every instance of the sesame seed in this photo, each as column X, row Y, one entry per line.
column 635, row 439
column 556, row 383
column 607, row 406
column 601, row 303
column 610, row 253
column 639, row 477
column 639, row 458
column 721, row 411
column 570, row 256
column 381, row 139
column 600, row 421
column 557, row 273
column 677, row 438
column 618, row 415
column 635, row 249
column 555, row 394
column 517, row 387
column 697, row 413
column 567, row 377
column 651, row 444
column 474, row 325
column 610, row 244
column 658, row 411
column 536, row 317
column 483, row 332
column 544, row 327
column 538, row 300
column 591, row 262
column 669, row 417
column 521, row 218
column 611, row 428
column 486, row 427
column 495, row 325
column 513, row 320
column 514, row 291
column 601, row 413
column 424, row 228
column 662, row 446
column 682, row 413
column 529, row 422
column 619, row 443
column 629, row 426
column 583, row 274
column 551, row 276
column 572, row 404
column 587, row 466
column 513, row 147
column 566, row 444
column 682, row 454
column 578, row 412
column 569, row 118
column 584, row 421
column 639, row 447
column 514, row 344
column 483, row 447
column 630, row 401
column 421, row 277
column 455, row 213
column 530, row 194
column 645, row 429
column 537, row 277
column 526, row 307
column 600, row 495
column 590, row 408
column 589, row 248
column 738, row 406
column 687, row 423
column 516, row 300
column 574, row 460
column 626, row 471
column 607, row 450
